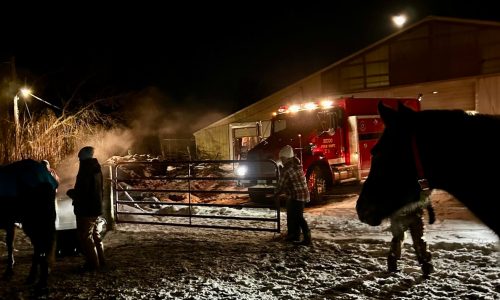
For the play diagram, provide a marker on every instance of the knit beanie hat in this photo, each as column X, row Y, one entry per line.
column 286, row 152
column 86, row 153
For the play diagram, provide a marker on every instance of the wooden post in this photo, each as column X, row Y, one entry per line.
column 108, row 205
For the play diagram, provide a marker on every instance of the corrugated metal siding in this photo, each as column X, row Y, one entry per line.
column 213, row 143
column 456, row 94
column 488, row 95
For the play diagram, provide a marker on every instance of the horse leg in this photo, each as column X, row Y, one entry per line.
column 43, row 243
column 40, row 260
column 32, row 232
column 47, row 256
column 34, row 265
column 10, row 235
column 43, row 260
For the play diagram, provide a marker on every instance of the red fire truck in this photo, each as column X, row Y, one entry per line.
column 332, row 139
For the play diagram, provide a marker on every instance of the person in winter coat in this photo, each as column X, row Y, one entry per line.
column 292, row 184
column 411, row 218
column 87, row 201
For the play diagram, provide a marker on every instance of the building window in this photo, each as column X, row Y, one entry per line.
column 367, row 71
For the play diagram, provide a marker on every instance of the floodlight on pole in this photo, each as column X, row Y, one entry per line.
column 399, row 20
column 25, row 92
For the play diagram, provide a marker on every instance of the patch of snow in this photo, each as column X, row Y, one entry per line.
column 346, row 261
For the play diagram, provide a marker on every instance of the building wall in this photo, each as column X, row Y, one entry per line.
column 213, row 142
column 488, row 95
column 433, row 51
column 453, row 94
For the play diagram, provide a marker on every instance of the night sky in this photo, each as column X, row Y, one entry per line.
column 218, row 56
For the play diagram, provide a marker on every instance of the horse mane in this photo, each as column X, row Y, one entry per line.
column 459, row 153
column 449, row 127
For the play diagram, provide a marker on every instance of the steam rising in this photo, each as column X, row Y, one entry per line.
column 149, row 116
column 153, row 116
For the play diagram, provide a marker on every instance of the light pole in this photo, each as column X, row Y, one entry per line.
column 16, row 124
column 24, row 92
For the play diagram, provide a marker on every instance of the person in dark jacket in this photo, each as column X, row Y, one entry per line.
column 411, row 218
column 292, row 183
column 87, row 201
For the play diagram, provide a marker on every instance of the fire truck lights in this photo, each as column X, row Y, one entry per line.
column 294, row 108
column 284, row 109
column 310, row 106
column 326, row 103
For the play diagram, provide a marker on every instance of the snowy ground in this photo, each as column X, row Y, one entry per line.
column 347, row 261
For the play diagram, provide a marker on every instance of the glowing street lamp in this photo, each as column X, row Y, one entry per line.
column 25, row 92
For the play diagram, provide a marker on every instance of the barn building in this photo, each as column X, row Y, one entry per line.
column 451, row 63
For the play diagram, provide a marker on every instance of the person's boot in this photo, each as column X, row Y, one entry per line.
column 292, row 238
column 392, row 264
column 307, row 239
column 427, row 269
column 91, row 259
column 100, row 255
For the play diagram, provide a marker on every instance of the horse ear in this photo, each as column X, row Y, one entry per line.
column 405, row 109
column 407, row 114
column 388, row 115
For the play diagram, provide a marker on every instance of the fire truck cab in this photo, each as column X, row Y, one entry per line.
column 332, row 138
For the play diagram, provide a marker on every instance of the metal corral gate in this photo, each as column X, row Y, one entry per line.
column 194, row 193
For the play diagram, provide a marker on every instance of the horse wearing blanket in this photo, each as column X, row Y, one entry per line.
column 27, row 196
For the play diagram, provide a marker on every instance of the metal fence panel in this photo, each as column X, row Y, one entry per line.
column 206, row 194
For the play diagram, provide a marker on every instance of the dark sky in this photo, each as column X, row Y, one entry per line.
column 220, row 56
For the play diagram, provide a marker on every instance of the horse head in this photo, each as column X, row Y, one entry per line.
column 392, row 182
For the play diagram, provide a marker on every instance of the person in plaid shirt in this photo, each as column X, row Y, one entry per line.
column 293, row 186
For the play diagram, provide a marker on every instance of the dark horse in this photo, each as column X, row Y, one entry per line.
column 453, row 150
column 27, row 196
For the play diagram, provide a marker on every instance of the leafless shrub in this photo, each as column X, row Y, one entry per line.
column 44, row 135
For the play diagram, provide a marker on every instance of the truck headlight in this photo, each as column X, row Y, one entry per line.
column 241, row 171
